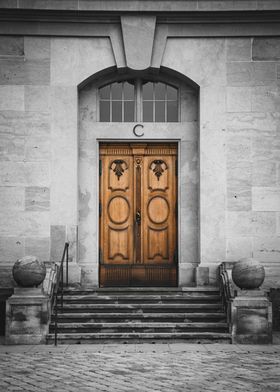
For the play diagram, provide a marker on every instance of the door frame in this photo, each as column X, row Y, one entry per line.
column 133, row 141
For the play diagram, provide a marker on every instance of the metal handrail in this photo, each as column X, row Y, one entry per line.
column 59, row 285
column 225, row 291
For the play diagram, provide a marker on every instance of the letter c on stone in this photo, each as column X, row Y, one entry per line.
column 135, row 130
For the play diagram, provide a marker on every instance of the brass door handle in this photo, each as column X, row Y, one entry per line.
column 138, row 217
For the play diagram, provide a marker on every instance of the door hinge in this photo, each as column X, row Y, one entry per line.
column 100, row 167
column 176, row 168
column 100, row 209
column 100, row 256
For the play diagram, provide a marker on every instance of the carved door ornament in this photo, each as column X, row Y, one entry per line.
column 118, row 166
column 158, row 167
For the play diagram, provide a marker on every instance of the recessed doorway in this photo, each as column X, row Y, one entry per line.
column 138, row 214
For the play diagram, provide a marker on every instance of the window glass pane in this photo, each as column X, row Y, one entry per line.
column 148, row 111
column 128, row 91
column 172, row 93
column 160, row 111
column 117, row 111
column 160, row 91
column 117, row 91
column 148, row 91
column 129, row 111
column 104, row 92
column 104, row 111
column 172, row 111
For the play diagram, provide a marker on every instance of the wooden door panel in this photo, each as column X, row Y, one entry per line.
column 159, row 193
column 116, row 197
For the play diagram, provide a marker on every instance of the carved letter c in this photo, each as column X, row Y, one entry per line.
column 135, row 130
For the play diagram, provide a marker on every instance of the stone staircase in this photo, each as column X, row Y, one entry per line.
column 130, row 315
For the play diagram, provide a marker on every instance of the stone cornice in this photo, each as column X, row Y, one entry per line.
column 189, row 17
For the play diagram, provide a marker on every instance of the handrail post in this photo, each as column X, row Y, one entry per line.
column 67, row 255
column 55, row 323
column 62, row 284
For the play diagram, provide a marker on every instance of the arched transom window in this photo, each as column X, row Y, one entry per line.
column 138, row 100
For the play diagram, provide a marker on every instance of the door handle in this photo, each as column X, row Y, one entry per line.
column 138, row 217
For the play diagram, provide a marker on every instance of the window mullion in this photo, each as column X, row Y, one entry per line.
column 138, row 100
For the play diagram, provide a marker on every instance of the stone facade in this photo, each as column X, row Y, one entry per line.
column 229, row 203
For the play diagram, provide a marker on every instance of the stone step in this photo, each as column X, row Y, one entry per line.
column 139, row 307
column 123, row 299
column 138, row 327
column 140, row 316
column 138, row 337
column 141, row 291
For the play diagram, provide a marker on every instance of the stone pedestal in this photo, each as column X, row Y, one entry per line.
column 27, row 316
column 251, row 314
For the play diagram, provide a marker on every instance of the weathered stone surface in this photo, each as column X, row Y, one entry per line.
column 27, row 317
column 251, row 319
column 239, row 173
column 38, row 148
column 200, row 59
column 11, row 98
column 264, row 173
column 37, row 98
column 238, row 49
column 11, row 46
column 37, row 48
column 239, row 198
column 12, row 147
column 263, row 223
column 250, row 223
column 239, row 147
column 11, row 248
column 24, row 223
column 12, row 198
column 8, row 3
column 202, row 276
column 72, row 238
column 265, row 98
column 266, row 198
column 19, row 71
column 74, row 60
column 37, row 198
column 267, row 248
column 28, row 173
column 266, row 48
column 138, row 38
column 51, row 4
column 254, row 122
column 58, row 238
column 248, row 274
column 250, row 74
column 64, row 165
column 24, row 123
column 226, row 5
column 238, row 247
column 39, row 247
column 239, row 99
column 29, row 271
column 266, row 148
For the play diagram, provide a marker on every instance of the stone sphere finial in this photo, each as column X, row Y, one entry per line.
column 248, row 274
column 29, row 271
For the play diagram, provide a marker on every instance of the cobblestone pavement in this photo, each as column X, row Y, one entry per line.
column 140, row 367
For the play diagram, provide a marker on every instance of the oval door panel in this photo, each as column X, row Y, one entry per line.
column 118, row 210
column 158, row 210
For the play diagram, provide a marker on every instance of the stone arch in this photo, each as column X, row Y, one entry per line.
column 91, row 132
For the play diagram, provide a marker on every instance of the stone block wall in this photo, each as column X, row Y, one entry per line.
column 253, row 152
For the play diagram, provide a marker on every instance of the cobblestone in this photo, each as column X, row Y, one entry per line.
column 140, row 368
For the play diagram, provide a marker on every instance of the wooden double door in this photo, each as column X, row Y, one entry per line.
column 138, row 214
